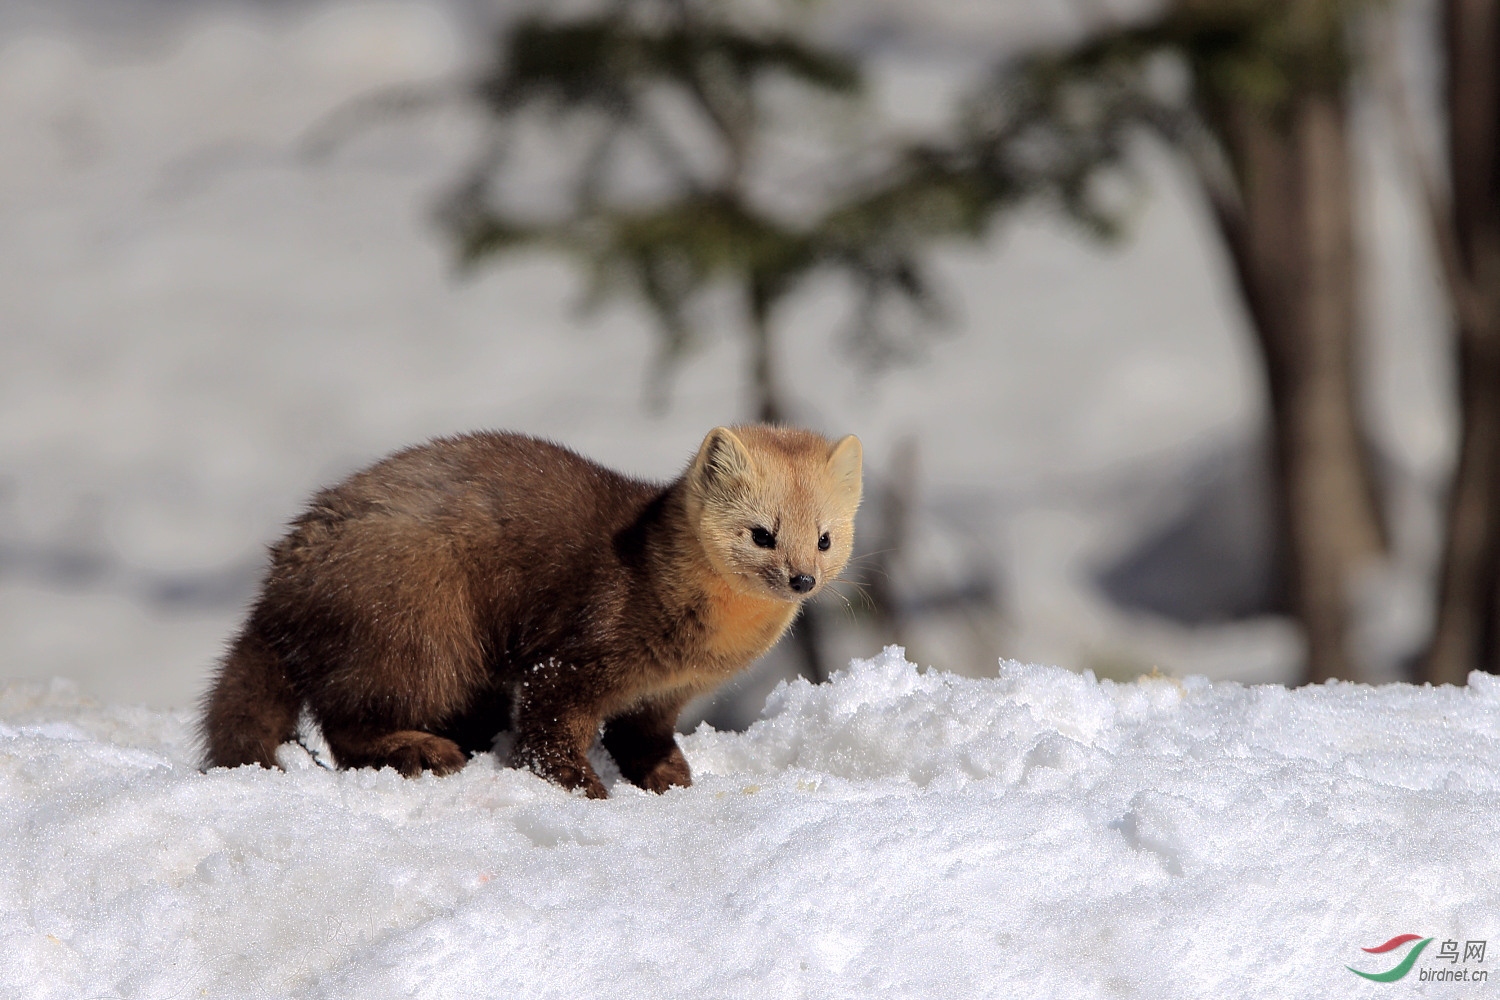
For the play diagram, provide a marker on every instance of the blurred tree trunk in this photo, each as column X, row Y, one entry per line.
column 897, row 498
column 764, row 386
column 1468, row 235
column 1263, row 123
column 1289, row 229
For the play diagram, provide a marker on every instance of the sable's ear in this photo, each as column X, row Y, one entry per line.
column 844, row 463
column 722, row 461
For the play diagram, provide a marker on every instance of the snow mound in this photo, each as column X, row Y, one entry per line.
column 891, row 833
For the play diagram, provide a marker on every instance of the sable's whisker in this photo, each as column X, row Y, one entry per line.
column 869, row 555
column 848, row 608
column 841, row 597
column 869, row 602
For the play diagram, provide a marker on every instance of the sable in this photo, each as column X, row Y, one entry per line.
column 494, row 581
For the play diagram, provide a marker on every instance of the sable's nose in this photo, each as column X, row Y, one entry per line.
column 802, row 583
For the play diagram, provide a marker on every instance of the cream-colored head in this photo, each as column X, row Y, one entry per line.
column 774, row 507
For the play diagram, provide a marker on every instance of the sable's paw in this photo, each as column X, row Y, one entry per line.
column 411, row 752
column 570, row 771
column 592, row 787
column 650, row 761
column 672, row 770
column 573, row 778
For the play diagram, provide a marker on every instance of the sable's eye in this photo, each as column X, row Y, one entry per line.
column 763, row 538
column 823, row 542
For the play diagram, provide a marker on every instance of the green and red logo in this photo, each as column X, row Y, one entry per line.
column 1401, row 968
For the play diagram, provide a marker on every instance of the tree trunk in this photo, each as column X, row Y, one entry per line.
column 1291, row 239
column 763, row 382
column 1466, row 615
column 1464, row 636
column 807, row 636
column 897, row 499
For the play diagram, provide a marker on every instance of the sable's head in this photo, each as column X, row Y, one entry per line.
column 774, row 507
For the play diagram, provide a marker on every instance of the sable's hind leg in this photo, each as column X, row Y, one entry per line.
column 475, row 730
column 384, row 633
column 644, row 745
column 410, row 751
column 252, row 708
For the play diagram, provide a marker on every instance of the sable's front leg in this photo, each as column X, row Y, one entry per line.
column 555, row 726
column 644, row 746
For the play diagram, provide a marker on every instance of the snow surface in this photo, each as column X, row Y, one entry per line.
column 892, row 833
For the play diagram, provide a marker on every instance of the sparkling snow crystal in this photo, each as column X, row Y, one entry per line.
column 893, row 833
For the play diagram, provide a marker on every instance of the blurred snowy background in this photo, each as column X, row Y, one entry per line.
column 200, row 324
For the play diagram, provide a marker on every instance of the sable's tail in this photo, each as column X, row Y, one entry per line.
column 251, row 709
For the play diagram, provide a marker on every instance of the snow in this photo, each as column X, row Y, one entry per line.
column 892, row 833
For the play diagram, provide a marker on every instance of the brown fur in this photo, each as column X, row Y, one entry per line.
column 490, row 581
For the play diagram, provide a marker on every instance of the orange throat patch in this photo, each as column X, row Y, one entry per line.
column 742, row 626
